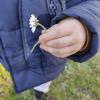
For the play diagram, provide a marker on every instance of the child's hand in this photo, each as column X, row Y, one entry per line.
column 64, row 39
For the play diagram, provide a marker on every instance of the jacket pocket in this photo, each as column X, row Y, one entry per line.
column 13, row 49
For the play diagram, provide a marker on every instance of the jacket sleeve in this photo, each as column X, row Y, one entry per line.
column 89, row 13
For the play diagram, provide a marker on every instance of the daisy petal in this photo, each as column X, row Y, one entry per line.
column 33, row 29
column 33, row 16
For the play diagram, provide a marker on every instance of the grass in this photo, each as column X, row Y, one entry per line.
column 77, row 82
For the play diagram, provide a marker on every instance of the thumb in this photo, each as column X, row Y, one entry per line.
column 52, row 33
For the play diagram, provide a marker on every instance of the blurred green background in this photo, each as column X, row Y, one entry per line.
column 77, row 82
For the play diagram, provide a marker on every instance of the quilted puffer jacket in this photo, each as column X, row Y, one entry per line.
column 16, row 38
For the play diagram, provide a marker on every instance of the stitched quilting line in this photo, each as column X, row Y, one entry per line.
column 22, row 29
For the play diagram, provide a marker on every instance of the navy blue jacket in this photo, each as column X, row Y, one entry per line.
column 16, row 39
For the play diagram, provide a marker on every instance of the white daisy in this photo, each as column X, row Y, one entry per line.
column 33, row 22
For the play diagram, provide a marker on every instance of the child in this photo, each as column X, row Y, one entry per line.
column 73, row 29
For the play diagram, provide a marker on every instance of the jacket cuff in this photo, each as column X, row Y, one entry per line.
column 86, row 45
column 92, row 48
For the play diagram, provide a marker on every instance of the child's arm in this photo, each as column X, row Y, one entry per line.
column 89, row 13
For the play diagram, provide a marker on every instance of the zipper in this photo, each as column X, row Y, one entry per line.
column 63, row 3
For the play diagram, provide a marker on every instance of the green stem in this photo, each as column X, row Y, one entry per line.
column 34, row 46
column 38, row 24
column 41, row 26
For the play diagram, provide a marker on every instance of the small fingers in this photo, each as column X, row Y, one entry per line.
column 61, row 42
column 63, row 52
column 53, row 33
